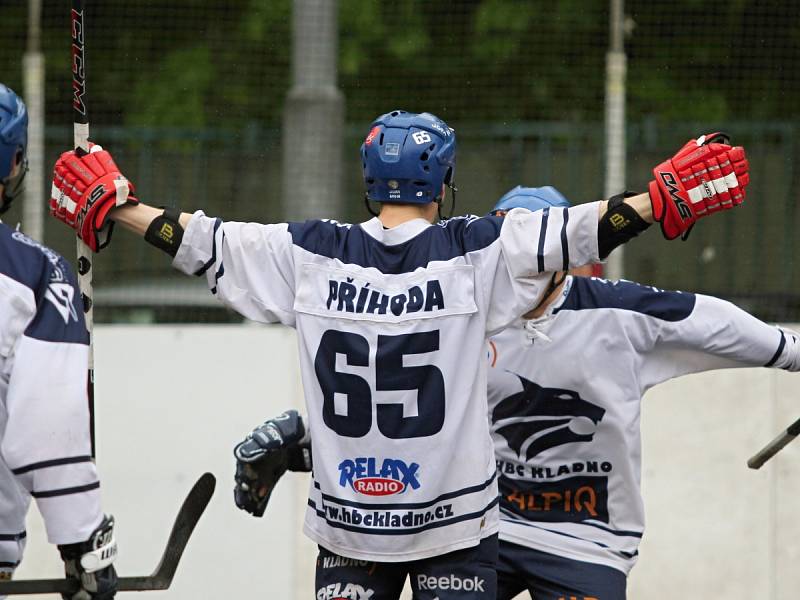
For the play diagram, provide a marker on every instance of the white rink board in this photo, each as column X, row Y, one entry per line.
column 172, row 401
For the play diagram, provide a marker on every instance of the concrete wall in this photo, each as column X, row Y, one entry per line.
column 172, row 402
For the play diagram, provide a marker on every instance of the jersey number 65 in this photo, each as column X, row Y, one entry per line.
column 390, row 375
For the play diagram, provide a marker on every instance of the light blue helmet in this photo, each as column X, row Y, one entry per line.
column 531, row 198
column 13, row 144
column 407, row 157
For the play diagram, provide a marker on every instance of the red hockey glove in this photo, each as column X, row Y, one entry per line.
column 85, row 189
column 705, row 176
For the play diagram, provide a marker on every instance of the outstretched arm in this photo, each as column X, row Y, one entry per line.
column 716, row 334
column 707, row 175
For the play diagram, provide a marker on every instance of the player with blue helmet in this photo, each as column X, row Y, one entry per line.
column 567, row 447
column 566, row 432
column 13, row 146
column 44, row 415
column 407, row 303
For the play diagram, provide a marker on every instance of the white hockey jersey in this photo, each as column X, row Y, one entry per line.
column 391, row 329
column 44, row 415
column 565, row 412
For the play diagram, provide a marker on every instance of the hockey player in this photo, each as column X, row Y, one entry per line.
column 44, row 417
column 391, row 316
column 566, row 432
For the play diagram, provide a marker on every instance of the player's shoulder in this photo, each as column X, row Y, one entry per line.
column 469, row 233
column 25, row 260
column 595, row 293
column 400, row 250
column 42, row 289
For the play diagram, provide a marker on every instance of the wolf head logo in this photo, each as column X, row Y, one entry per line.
column 539, row 418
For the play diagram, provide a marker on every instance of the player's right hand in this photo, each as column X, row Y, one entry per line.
column 262, row 458
column 85, row 188
column 90, row 563
column 705, row 176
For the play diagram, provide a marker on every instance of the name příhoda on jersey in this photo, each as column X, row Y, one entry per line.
column 346, row 296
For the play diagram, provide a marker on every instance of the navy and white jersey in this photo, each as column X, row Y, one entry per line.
column 44, row 414
column 564, row 404
column 391, row 328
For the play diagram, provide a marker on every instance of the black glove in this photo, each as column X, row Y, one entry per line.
column 265, row 455
column 89, row 563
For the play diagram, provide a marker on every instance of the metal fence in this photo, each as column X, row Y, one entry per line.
column 192, row 100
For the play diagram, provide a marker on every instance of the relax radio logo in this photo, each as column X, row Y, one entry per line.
column 366, row 475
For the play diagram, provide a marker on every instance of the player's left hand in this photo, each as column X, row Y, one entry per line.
column 705, row 176
column 90, row 563
column 85, row 188
column 265, row 455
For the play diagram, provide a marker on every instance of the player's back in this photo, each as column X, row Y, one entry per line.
column 393, row 322
column 391, row 327
column 565, row 409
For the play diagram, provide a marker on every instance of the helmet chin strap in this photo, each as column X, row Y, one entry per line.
column 370, row 210
column 453, row 189
column 13, row 186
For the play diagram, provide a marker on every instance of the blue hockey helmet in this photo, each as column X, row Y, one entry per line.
column 531, row 198
column 407, row 157
column 13, row 144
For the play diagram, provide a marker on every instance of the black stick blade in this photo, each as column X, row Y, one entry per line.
column 192, row 509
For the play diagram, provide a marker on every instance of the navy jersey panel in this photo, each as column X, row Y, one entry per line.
column 550, row 577
column 59, row 315
column 591, row 293
column 352, row 245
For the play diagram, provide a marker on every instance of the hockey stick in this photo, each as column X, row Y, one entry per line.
column 774, row 446
column 81, row 141
column 161, row 578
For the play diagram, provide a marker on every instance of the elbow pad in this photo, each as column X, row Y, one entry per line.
column 618, row 225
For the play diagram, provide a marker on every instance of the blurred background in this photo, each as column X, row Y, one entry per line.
column 241, row 110
column 255, row 110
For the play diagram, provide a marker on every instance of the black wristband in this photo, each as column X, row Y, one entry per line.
column 165, row 231
column 619, row 224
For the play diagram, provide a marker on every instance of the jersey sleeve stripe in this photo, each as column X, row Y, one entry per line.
column 542, row 236
column 564, row 240
column 66, row 491
column 778, row 352
column 202, row 270
column 71, row 460
column 13, row 537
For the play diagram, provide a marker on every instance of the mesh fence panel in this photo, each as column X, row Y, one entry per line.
column 190, row 96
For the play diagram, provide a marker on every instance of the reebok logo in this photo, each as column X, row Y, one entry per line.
column 539, row 418
column 344, row 591
column 451, row 582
